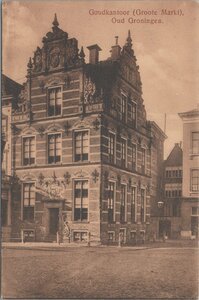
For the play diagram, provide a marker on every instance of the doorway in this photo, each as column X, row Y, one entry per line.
column 164, row 228
column 53, row 220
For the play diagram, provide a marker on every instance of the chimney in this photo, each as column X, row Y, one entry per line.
column 115, row 52
column 94, row 54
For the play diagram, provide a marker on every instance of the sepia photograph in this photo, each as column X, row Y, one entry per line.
column 100, row 149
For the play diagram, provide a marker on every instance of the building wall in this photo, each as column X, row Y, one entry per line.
column 190, row 161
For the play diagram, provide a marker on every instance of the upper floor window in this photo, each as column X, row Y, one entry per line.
column 4, row 126
column 123, row 107
column 28, row 201
column 111, row 148
column 195, row 180
column 123, row 204
column 81, row 145
column 195, row 211
column 111, row 200
column 134, row 114
column 54, row 101
column 28, row 150
column 195, row 142
column 133, row 204
column 123, row 153
column 142, row 213
column 143, row 160
column 54, row 148
column 81, row 200
column 134, row 157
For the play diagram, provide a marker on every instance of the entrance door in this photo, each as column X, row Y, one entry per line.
column 53, row 220
column 123, row 235
column 194, row 226
column 164, row 228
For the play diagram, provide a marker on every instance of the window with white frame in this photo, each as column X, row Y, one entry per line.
column 54, row 148
column 28, row 150
column 81, row 145
column 134, row 157
column 123, row 204
column 80, row 236
column 195, row 180
column 111, row 201
column 134, row 114
column 142, row 212
column 28, row 201
column 81, row 200
column 133, row 204
column 143, row 160
column 123, row 107
column 195, row 142
column 123, row 153
column 54, row 101
column 111, row 148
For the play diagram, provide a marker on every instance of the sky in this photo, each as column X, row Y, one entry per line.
column 166, row 52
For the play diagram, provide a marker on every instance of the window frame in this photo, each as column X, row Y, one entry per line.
column 112, row 161
column 114, row 201
column 23, row 152
column 196, row 141
column 123, row 164
column 54, row 162
column 191, row 181
column 74, row 145
column 48, row 100
column 134, row 219
column 143, row 166
column 134, row 120
column 143, row 215
column 123, row 107
column 135, row 147
column 125, row 204
column 74, row 198
column 22, row 199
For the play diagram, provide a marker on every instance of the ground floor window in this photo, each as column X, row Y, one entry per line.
column 4, row 212
column 28, row 201
column 80, row 236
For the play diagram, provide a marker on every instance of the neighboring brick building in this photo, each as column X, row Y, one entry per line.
column 190, row 190
column 86, row 157
column 10, row 91
column 170, row 213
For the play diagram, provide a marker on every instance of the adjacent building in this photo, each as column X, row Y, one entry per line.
column 86, row 160
column 190, row 186
column 10, row 92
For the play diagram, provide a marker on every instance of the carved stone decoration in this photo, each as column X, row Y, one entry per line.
column 54, row 57
column 41, row 178
column 89, row 90
column 96, row 124
column 119, row 179
column 95, row 174
column 14, row 181
column 52, row 188
column 67, row 81
column 41, row 131
column 67, row 127
column 81, row 174
column 67, row 177
column 71, row 54
column 37, row 60
column 42, row 85
column 15, row 129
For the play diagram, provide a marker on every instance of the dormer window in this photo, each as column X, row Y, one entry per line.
column 54, row 101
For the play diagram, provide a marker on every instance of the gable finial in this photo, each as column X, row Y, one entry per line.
column 55, row 22
column 129, row 39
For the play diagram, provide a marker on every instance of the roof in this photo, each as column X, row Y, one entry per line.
column 10, row 87
column 175, row 157
column 191, row 113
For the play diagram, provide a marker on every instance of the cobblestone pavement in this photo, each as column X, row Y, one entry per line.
column 101, row 272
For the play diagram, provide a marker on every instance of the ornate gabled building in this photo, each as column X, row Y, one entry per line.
column 86, row 157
